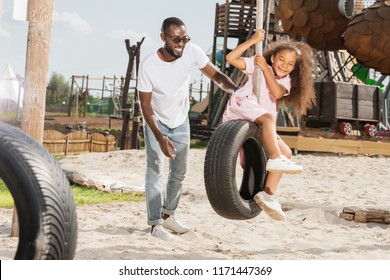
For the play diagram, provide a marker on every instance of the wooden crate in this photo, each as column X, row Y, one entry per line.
column 333, row 100
column 368, row 104
column 339, row 101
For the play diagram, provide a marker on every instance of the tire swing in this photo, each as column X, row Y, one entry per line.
column 42, row 196
column 228, row 198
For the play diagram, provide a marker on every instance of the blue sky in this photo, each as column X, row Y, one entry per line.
column 88, row 35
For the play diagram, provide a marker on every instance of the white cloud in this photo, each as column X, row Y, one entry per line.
column 73, row 20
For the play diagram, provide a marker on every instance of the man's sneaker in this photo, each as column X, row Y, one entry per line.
column 283, row 164
column 159, row 232
column 174, row 225
column 270, row 205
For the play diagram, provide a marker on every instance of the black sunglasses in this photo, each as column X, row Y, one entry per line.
column 177, row 40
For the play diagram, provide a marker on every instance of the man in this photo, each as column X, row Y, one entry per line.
column 163, row 86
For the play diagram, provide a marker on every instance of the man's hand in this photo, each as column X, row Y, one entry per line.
column 167, row 147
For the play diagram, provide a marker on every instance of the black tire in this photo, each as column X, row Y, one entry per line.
column 225, row 197
column 42, row 196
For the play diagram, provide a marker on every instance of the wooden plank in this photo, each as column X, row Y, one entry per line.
column 373, row 216
column 330, row 142
column 101, row 143
column 77, row 142
column 367, row 110
column 347, row 216
column 311, row 144
column 54, row 141
column 287, row 129
column 368, row 92
column 291, row 141
column 344, row 90
column 365, row 216
column 350, row 209
column 374, row 145
column 375, row 148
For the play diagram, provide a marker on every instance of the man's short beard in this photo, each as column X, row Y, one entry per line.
column 170, row 51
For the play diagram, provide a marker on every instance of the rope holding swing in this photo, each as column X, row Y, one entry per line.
column 258, row 48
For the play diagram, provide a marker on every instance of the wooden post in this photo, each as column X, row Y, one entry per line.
column 103, row 84
column 71, row 98
column 85, row 97
column 258, row 48
column 132, row 51
column 135, row 139
column 211, row 92
column 39, row 15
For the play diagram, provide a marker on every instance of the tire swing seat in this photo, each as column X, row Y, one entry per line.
column 229, row 198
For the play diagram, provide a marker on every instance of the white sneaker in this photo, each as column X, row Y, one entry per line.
column 283, row 164
column 159, row 232
column 270, row 205
column 174, row 225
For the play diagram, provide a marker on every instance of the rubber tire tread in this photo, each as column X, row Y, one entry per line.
column 42, row 196
column 222, row 152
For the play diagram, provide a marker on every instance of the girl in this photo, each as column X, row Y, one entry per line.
column 287, row 77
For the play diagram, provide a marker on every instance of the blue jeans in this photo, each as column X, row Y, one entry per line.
column 158, row 200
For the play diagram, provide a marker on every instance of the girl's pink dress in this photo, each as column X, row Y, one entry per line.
column 243, row 103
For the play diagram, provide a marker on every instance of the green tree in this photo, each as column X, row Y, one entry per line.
column 58, row 90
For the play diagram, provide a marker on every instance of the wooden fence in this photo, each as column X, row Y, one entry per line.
column 77, row 142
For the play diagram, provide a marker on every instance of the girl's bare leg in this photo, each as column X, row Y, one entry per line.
column 269, row 137
column 273, row 178
column 276, row 162
column 267, row 199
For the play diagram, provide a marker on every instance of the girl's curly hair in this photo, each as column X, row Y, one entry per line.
column 302, row 93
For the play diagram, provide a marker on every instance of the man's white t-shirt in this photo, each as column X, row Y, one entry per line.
column 169, row 83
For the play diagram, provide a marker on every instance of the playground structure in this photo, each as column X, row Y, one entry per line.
column 109, row 93
column 325, row 25
column 128, row 108
column 322, row 24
